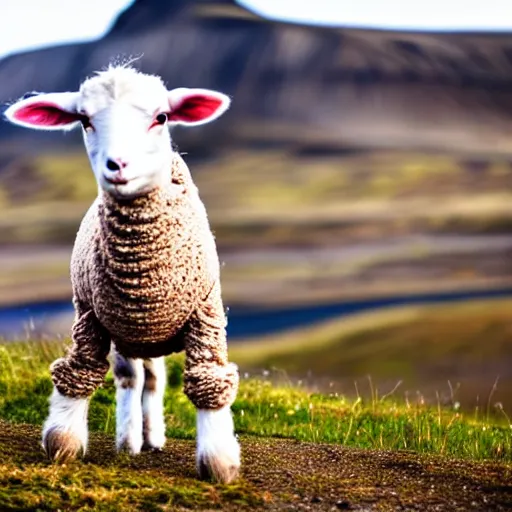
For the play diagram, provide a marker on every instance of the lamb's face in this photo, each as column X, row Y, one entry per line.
column 124, row 116
column 125, row 133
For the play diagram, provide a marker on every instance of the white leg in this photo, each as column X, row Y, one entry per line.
column 65, row 429
column 129, row 379
column 153, row 404
column 218, row 451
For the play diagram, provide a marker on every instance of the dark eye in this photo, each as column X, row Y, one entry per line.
column 161, row 118
column 85, row 122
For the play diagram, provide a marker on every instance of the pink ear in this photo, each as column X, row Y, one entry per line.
column 196, row 106
column 53, row 111
column 45, row 115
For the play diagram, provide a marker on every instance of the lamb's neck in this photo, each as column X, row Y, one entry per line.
column 135, row 233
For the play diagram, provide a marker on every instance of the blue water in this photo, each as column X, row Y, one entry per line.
column 249, row 322
column 244, row 322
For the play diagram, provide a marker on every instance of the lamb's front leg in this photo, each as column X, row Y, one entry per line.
column 75, row 377
column 129, row 380
column 211, row 383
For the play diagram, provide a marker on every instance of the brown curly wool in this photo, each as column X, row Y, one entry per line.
column 146, row 273
column 210, row 381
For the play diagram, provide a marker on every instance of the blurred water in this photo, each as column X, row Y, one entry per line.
column 243, row 322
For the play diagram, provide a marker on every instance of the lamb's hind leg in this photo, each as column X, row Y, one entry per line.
column 211, row 383
column 129, row 379
column 75, row 377
column 153, row 404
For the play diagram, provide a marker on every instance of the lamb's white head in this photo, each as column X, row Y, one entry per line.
column 124, row 116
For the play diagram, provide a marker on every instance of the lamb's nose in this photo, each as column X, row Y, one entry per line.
column 115, row 164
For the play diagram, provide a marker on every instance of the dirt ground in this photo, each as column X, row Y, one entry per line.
column 277, row 474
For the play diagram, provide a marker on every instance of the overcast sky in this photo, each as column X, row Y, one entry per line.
column 28, row 24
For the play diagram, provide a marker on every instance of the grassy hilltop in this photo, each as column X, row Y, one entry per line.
column 301, row 450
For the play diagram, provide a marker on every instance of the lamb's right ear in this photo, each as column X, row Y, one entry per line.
column 54, row 111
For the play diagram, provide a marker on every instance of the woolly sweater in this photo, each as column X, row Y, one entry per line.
column 145, row 277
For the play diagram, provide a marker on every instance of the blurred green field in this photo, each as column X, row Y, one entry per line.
column 271, row 197
column 452, row 353
column 266, row 200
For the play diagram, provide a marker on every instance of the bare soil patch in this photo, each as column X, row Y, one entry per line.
column 278, row 474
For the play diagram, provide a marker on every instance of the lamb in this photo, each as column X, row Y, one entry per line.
column 144, row 270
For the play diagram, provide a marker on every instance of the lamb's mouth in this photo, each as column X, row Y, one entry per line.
column 117, row 181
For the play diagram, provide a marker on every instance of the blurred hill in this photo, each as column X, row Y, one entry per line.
column 352, row 162
column 297, row 86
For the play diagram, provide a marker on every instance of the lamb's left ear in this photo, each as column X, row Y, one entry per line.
column 193, row 107
column 54, row 111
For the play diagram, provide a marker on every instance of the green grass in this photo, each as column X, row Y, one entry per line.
column 263, row 409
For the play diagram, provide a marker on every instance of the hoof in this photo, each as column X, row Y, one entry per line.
column 146, row 447
column 62, row 446
column 218, row 451
column 128, row 446
column 219, row 469
column 153, row 440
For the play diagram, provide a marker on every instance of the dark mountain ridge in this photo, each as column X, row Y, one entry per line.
column 294, row 85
